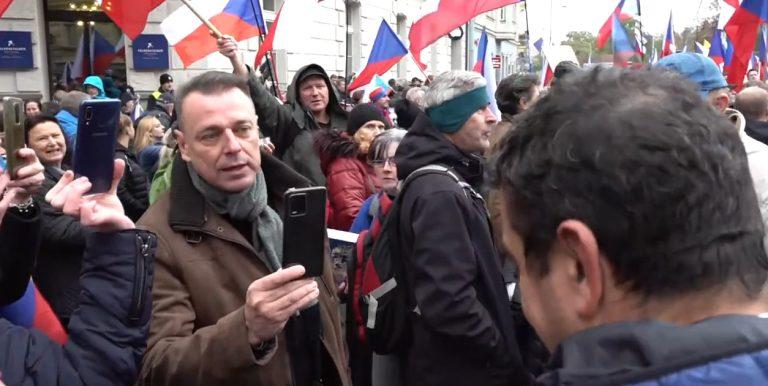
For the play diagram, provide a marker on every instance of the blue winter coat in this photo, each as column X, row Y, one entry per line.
column 107, row 333
column 719, row 351
column 95, row 81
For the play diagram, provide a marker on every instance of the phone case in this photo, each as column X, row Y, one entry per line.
column 94, row 156
column 13, row 122
column 304, row 229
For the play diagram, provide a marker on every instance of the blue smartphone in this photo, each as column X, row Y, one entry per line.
column 94, row 156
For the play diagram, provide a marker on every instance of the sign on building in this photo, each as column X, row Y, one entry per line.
column 150, row 52
column 16, row 50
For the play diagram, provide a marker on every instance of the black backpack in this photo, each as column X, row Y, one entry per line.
column 381, row 298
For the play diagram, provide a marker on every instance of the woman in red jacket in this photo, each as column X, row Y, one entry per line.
column 350, row 180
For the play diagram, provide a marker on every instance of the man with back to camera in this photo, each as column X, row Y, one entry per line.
column 637, row 234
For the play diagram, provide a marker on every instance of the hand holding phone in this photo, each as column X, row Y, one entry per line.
column 304, row 229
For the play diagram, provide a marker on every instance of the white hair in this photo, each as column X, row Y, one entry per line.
column 415, row 95
column 451, row 84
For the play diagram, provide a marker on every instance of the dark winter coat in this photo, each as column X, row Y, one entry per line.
column 291, row 127
column 107, row 334
column 133, row 190
column 57, row 272
column 757, row 130
column 349, row 178
column 463, row 332
column 19, row 243
column 719, row 351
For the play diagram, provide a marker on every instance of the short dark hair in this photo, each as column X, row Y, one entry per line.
column 660, row 178
column 514, row 88
column 38, row 119
column 565, row 68
column 209, row 83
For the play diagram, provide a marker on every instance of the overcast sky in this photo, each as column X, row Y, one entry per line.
column 589, row 15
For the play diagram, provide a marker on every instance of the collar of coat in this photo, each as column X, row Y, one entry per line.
column 187, row 205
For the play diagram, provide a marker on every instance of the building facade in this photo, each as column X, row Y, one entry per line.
column 339, row 39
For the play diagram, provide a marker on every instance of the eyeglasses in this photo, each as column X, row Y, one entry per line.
column 390, row 161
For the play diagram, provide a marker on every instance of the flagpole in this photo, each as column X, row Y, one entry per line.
column 642, row 37
column 204, row 20
column 528, row 37
column 269, row 58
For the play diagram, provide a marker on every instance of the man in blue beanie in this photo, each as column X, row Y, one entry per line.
column 462, row 325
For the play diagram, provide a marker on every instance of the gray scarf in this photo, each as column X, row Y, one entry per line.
column 249, row 205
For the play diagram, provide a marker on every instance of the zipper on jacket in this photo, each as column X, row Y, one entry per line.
column 139, row 279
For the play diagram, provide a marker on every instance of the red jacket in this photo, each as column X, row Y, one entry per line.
column 349, row 179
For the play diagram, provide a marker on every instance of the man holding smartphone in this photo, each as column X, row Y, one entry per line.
column 223, row 311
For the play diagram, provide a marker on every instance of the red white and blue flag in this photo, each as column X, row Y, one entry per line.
column 716, row 50
column 763, row 52
column 623, row 48
column 32, row 311
column 606, row 31
column 387, row 51
column 484, row 66
column 669, row 39
column 742, row 29
column 102, row 53
column 449, row 15
column 130, row 15
column 190, row 37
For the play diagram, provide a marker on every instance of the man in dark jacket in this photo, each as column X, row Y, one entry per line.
column 166, row 86
column 292, row 127
column 463, row 330
column 108, row 332
column 133, row 190
column 752, row 102
column 637, row 234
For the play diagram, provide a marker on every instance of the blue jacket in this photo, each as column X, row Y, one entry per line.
column 107, row 334
column 719, row 351
column 95, row 81
column 364, row 216
column 68, row 123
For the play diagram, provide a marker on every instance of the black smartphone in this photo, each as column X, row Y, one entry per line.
column 13, row 122
column 94, row 157
column 304, row 229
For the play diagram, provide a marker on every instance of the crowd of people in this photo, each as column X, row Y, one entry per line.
column 609, row 229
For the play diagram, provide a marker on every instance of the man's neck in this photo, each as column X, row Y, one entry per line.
column 689, row 309
column 322, row 117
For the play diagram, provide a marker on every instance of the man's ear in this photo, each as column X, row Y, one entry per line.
column 586, row 272
column 183, row 146
column 722, row 102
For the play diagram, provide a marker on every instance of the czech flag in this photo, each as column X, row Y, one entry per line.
column 130, row 15
column 386, row 52
column 717, row 51
column 623, row 49
column 4, row 4
column 190, row 37
column 484, row 66
column 669, row 39
column 32, row 311
column 742, row 29
column 102, row 53
column 763, row 52
column 606, row 30
column 449, row 15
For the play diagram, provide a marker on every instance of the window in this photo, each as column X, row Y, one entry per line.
column 272, row 5
column 503, row 14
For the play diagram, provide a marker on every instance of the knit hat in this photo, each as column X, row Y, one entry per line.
column 449, row 116
column 377, row 94
column 363, row 114
column 165, row 78
column 406, row 113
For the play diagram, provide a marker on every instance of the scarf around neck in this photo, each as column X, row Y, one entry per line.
column 249, row 205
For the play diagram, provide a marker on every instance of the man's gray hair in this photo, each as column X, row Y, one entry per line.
column 415, row 95
column 71, row 102
column 451, row 84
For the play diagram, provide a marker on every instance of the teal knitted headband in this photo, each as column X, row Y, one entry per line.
column 449, row 116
